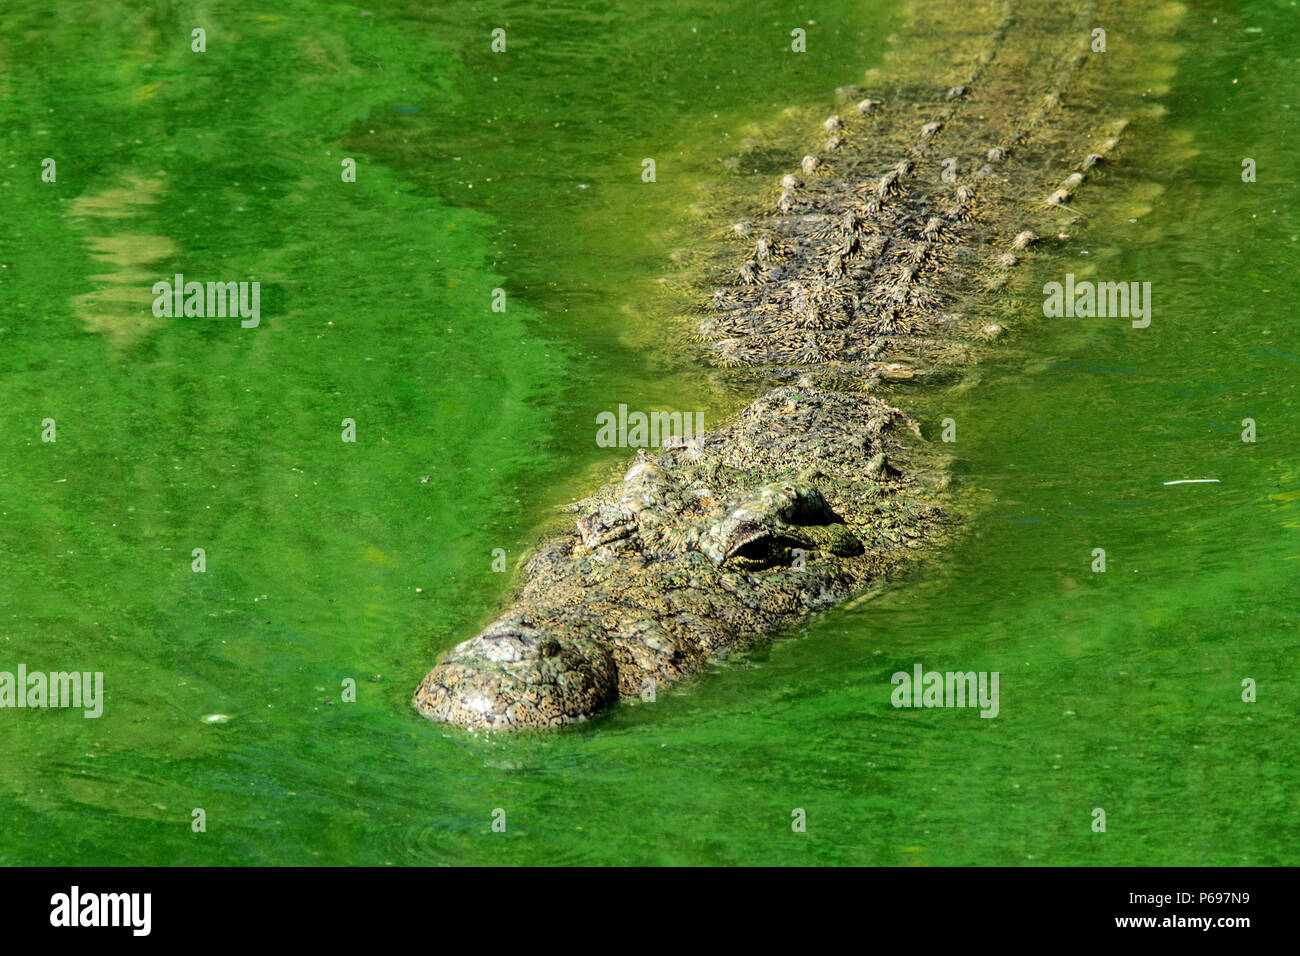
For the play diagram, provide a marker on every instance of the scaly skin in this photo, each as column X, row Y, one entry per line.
column 854, row 280
column 694, row 551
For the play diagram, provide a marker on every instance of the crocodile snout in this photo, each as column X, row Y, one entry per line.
column 508, row 645
column 518, row 677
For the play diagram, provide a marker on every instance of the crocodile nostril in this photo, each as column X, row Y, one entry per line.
column 508, row 647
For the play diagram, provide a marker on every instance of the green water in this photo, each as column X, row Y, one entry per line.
column 328, row 560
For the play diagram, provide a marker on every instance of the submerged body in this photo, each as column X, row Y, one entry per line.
column 921, row 203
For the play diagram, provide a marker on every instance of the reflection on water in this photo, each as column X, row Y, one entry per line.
column 122, row 308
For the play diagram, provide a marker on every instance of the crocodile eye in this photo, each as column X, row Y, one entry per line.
column 749, row 540
column 754, row 546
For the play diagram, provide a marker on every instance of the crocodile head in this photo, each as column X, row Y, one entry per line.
column 695, row 552
column 654, row 544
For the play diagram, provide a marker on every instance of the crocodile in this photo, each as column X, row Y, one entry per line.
column 870, row 267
